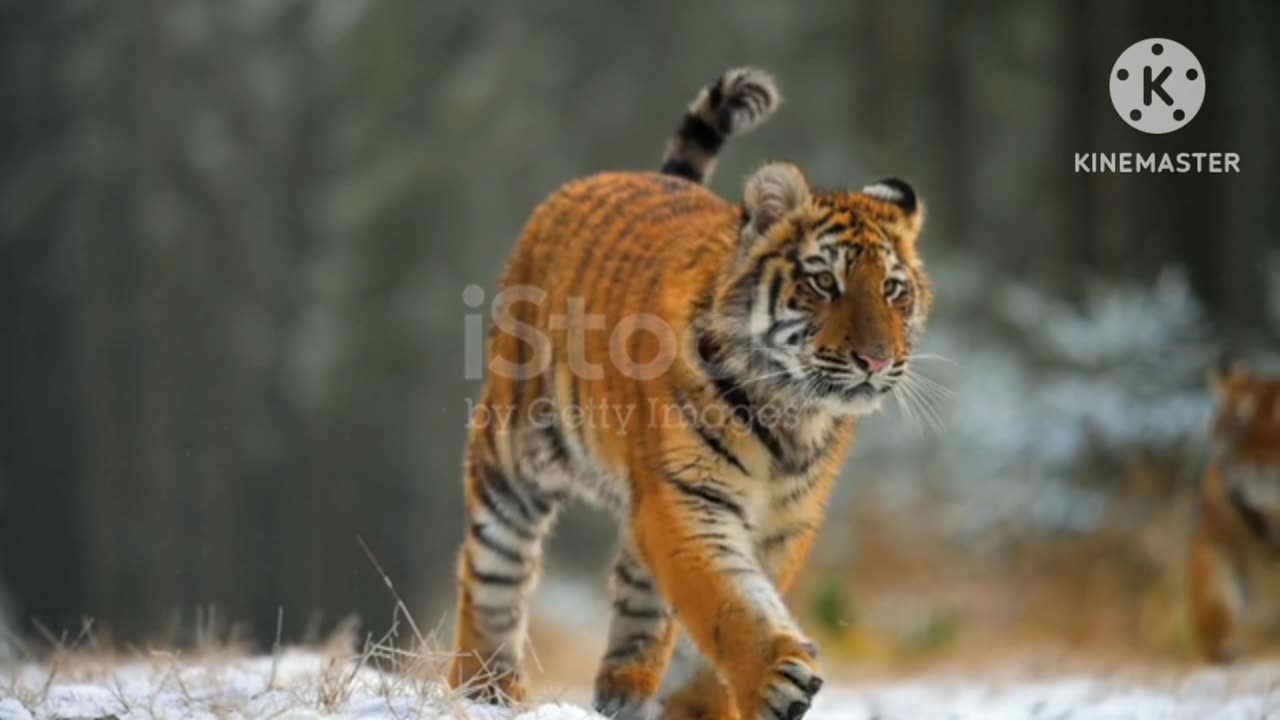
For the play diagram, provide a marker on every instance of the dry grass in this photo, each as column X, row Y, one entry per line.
column 403, row 668
column 405, row 673
column 910, row 596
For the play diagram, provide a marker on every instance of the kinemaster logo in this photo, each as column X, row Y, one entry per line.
column 1158, row 87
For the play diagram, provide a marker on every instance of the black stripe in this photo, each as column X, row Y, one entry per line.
column 783, row 325
column 709, row 352
column 477, row 532
column 500, row 514
column 743, row 291
column 488, row 578
column 682, row 168
column 1256, row 521
column 754, row 96
column 794, row 496
column 775, row 292
column 629, row 645
column 781, row 537
column 559, row 452
column 624, row 574
column 801, row 465
column 709, row 535
column 695, row 130
column 711, row 496
column 797, row 264
column 542, row 507
column 837, row 227
column 715, row 93
column 727, row 550
column 626, row 611
column 497, row 480
column 494, row 610
column 736, row 398
column 580, row 428
column 794, row 681
column 719, row 448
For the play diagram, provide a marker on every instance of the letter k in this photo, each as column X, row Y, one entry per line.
column 1156, row 86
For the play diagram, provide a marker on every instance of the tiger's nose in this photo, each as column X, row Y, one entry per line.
column 870, row 363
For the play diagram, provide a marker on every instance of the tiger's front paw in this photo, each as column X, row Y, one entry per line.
column 624, row 692
column 790, row 691
column 791, row 681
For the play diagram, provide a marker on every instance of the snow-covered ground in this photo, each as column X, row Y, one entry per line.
column 309, row 685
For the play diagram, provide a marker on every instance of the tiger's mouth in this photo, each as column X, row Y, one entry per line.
column 847, row 385
column 849, row 395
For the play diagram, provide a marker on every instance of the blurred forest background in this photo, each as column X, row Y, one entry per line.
column 234, row 236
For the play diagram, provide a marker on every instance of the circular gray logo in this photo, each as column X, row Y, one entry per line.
column 1157, row 85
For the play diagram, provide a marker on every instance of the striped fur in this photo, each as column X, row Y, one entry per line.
column 1237, row 539
column 719, row 464
column 736, row 102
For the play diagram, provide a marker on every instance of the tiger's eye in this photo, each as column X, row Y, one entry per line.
column 824, row 281
column 893, row 287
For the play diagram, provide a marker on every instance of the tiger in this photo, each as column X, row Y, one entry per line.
column 1236, row 545
column 697, row 367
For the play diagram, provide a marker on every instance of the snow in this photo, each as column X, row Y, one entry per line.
column 302, row 685
column 1240, row 694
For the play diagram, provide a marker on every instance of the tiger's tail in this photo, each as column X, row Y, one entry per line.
column 738, row 101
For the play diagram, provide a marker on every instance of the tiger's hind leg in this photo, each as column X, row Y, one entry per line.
column 508, row 516
column 641, row 636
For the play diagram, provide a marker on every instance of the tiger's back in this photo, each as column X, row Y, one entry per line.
column 596, row 255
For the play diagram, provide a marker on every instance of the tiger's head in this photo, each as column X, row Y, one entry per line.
column 1246, row 427
column 1246, row 446
column 828, row 296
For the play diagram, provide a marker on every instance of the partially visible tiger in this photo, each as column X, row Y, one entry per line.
column 697, row 366
column 1235, row 555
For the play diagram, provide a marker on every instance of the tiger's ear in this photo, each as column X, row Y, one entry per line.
column 900, row 194
column 773, row 191
column 1225, row 370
